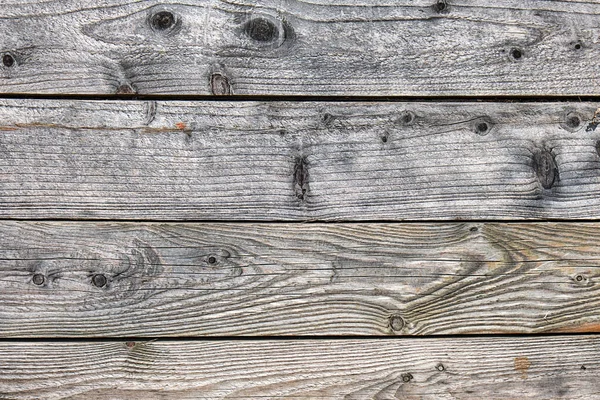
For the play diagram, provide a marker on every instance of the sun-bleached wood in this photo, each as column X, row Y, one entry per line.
column 297, row 160
column 289, row 47
column 560, row 367
column 297, row 279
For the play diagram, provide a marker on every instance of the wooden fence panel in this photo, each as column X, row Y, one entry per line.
column 290, row 47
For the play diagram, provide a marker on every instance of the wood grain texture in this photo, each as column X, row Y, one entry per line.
column 298, row 160
column 295, row 47
column 562, row 367
column 297, row 279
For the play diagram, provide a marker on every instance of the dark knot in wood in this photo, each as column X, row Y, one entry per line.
column 261, row 30
column 163, row 20
column 301, row 178
column 219, row 85
column 545, row 166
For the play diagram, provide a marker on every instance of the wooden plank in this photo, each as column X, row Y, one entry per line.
column 275, row 47
column 561, row 367
column 124, row 279
column 298, row 160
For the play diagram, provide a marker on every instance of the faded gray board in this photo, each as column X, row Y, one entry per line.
column 297, row 160
column 297, row 279
column 535, row 368
column 276, row 47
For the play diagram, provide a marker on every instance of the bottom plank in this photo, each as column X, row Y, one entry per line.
column 427, row 368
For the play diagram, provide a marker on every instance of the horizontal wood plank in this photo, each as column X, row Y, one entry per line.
column 126, row 279
column 291, row 47
column 561, row 367
column 294, row 161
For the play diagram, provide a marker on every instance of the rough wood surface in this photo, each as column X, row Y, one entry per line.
column 561, row 367
column 113, row 279
column 298, row 161
column 282, row 47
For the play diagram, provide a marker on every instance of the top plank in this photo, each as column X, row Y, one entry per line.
column 289, row 47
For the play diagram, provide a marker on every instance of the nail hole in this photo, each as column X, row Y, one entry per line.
column 212, row 260
column 261, row 30
column 407, row 118
column 38, row 279
column 474, row 229
column 440, row 367
column 130, row 344
column 579, row 278
column 162, row 20
column 482, row 128
column 8, row 60
column 384, row 139
column 577, row 46
column 407, row 377
column 99, row 280
column 396, row 322
column 516, row 54
column 440, row 6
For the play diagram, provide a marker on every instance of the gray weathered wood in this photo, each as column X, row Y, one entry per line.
column 297, row 279
column 297, row 161
column 561, row 367
column 284, row 47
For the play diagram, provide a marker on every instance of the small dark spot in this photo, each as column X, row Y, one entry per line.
column 327, row 119
column 591, row 126
column 162, row 20
column 574, row 121
column 474, row 229
column 99, row 280
column 261, row 30
column 441, row 6
column 282, row 132
column 396, row 322
column 8, row 60
column 583, row 368
column 579, row 278
column 516, row 54
column 482, row 128
column 384, row 139
column 125, row 89
column 406, row 118
column 407, row 377
column 38, row 279
column 546, row 168
column 212, row 260
column 219, row 85
column 130, row 344
column 440, row 367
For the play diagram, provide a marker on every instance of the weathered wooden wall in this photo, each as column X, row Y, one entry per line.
column 430, row 188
